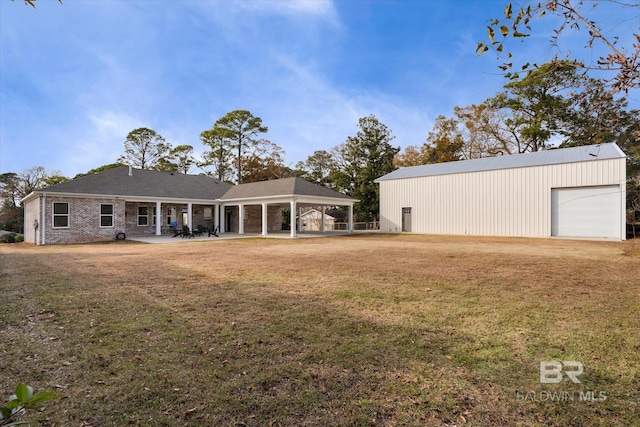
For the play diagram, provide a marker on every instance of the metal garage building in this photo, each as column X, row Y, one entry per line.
column 571, row 192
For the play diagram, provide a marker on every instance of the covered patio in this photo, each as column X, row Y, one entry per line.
column 155, row 216
column 258, row 207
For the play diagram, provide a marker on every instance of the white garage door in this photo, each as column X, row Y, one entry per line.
column 586, row 212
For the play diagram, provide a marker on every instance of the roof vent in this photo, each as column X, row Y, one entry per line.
column 130, row 171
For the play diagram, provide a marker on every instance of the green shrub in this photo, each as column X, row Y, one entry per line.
column 8, row 238
column 19, row 238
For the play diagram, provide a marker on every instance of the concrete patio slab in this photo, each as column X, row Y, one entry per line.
column 227, row 236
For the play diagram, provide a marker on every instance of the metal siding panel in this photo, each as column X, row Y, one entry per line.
column 622, row 179
column 424, row 216
column 423, row 197
column 544, row 206
column 495, row 202
column 515, row 205
column 494, row 208
column 429, row 211
column 461, row 220
column 446, row 192
column 498, row 207
column 503, row 179
column 469, row 218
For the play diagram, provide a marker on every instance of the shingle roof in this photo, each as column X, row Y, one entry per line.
column 281, row 187
column 143, row 183
column 165, row 185
column 540, row 158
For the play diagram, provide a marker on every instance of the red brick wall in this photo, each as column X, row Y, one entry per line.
column 84, row 221
column 253, row 223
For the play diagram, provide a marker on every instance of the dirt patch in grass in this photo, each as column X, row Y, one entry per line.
column 357, row 330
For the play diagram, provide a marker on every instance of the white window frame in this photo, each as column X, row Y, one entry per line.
column 172, row 214
column 208, row 213
column 111, row 215
column 146, row 216
column 55, row 215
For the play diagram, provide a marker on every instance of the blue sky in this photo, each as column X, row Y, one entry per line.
column 76, row 78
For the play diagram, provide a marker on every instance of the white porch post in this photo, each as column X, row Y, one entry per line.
column 300, row 219
column 240, row 219
column 189, row 215
column 350, row 219
column 216, row 217
column 293, row 219
column 43, row 220
column 322, row 219
column 265, row 218
column 158, row 218
column 223, row 218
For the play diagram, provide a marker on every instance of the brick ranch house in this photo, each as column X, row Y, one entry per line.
column 139, row 202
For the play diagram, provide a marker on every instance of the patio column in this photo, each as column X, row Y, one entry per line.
column 293, row 219
column 350, row 219
column 300, row 219
column 158, row 218
column 43, row 223
column 216, row 216
column 265, row 219
column 322, row 219
column 240, row 219
column 223, row 218
column 189, row 216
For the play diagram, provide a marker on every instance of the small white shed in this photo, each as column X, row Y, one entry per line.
column 572, row 192
column 312, row 220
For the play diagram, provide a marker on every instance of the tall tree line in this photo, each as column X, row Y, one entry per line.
column 236, row 152
column 553, row 106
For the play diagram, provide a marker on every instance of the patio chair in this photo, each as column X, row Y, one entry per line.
column 199, row 230
column 187, row 233
column 214, row 232
column 176, row 231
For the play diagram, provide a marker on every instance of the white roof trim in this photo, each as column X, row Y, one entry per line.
column 119, row 197
column 286, row 198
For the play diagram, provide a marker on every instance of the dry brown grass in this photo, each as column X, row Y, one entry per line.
column 359, row 330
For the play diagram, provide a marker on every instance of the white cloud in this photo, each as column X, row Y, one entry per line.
column 319, row 8
column 240, row 20
column 110, row 124
column 308, row 113
column 100, row 142
column 323, row 9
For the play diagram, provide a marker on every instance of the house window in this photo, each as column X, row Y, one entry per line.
column 106, row 215
column 60, row 215
column 171, row 215
column 207, row 213
column 143, row 215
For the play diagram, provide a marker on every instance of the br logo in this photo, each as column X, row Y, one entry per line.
column 551, row 371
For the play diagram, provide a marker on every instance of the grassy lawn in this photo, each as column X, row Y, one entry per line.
column 356, row 330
